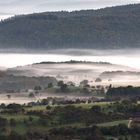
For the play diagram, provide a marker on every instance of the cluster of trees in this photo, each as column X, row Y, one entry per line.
column 127, row 107
column 128, row 92
column 75, row 62
column 114, row 27
column 84, row 88
column 95, row 133
column 64, row 101
column 12, row 108
column 88, row 133
column 71, row 115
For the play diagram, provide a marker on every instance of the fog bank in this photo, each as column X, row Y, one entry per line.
column 127, row 57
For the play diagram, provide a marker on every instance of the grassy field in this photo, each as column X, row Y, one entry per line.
column 38, row 107
column 20, row 128
column 86, row 106
column 113, row 123
column 18, row 117
column 102, row 104
column 24, row 124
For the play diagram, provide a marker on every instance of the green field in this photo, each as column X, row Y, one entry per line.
column 38, row 107
column 113, row 123
column 83, row 105
column 102, row 104
column 18, row 117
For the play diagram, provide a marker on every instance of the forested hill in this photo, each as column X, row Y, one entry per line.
column 115, row 27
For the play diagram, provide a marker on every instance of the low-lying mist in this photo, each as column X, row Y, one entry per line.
column 17, row 57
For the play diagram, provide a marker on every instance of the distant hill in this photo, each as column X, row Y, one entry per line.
column 114, row 27
column 75, row 71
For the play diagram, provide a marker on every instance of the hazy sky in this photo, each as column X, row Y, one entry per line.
column 11, row 7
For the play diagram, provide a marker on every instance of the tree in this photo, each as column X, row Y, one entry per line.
column 84, row 83
column 64, row 88
column 48, row 107
column 37, row 88
column 50, row 85
column 9, row 96
column 98, row 80
column 15, row 107
column 60, row 83
column 31, row 95
column 2, row 106
column 31, row 119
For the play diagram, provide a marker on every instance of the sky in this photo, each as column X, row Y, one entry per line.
column 15, row 7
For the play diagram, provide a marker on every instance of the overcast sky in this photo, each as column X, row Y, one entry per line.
column 12, row 7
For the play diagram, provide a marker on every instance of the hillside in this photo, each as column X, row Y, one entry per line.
column 74, row 71
column 10, row 83
column 114, row 27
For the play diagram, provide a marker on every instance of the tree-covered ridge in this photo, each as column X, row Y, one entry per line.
column 115, row 27
column 74, row 62
column 129, row 92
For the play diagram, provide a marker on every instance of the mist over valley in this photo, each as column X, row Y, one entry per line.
column 69, row 75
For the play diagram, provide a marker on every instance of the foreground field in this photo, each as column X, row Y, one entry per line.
column 22, row 123
column 102, row 120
